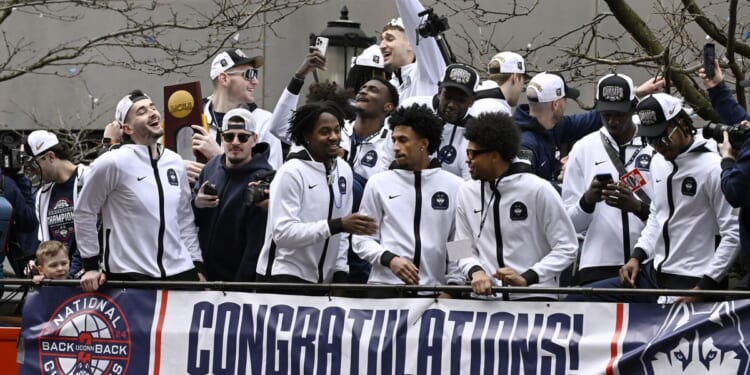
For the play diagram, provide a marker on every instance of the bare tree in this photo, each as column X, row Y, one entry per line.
column 667, row 39
column 156, row 37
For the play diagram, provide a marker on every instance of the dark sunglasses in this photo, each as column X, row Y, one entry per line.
column 229, row 137
column 247, row 74
column 471, row 153
column 664, row 140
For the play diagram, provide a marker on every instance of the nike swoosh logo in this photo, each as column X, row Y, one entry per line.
column 311, row 186
column 141, row 178
column 599, row 162
column 658, row 180
column 394, row 196
column 477, row 211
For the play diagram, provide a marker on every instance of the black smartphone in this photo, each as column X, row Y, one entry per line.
column 604, row 177
column 709, row 55
column 210, row 189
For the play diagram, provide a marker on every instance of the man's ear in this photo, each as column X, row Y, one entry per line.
column 126, row 129
column 388, row 107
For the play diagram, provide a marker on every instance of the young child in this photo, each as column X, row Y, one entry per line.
column 52, row 261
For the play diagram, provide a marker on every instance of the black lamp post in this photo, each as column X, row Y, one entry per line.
column 345, row 40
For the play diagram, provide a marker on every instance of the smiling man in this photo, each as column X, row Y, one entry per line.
column 231, row 231
column 142, row 192
column 416, row 64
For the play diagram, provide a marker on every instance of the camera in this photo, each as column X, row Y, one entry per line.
column 257, row 193
column 737, row 133
column 11, row 156
column 433, row 26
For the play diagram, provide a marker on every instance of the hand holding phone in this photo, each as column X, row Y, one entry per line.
column 709, row 55
column 321, row 43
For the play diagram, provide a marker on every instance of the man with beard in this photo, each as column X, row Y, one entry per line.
column 142, row 192
column 231, row 230
column 413, row 205
column 57, row 198
column 455, row 96
column 611, row 214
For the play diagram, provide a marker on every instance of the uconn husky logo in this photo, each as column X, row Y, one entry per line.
column 698, row 339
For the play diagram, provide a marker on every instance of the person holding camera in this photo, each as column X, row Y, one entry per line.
column 735, row 153
column 677, row 248
column 417, row 64
column 231, row 229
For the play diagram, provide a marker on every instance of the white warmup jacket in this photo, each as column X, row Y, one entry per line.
column 374, row 154
column 687, row 213
column 610, row 233
column 147, row 218
column 525, row 228
column 304, row 232
column 415, row 213
column 422, row 76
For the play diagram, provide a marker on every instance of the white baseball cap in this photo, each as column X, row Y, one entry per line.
column 248, row 121
column 546, row 87
column 233, row 57
column 506, row 62
column 123, row 106
column 371, row 57
column 40, row 141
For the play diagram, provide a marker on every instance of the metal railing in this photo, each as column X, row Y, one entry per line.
column 269, row 286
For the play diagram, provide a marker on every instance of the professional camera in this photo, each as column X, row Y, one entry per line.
column 11, row 156
column 257, row 193
column 433, row 26
column 737, row 133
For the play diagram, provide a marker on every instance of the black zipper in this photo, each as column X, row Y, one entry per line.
column 106, row 250
column 330, row 213
column 162, row 227
column 665, row 228
column 417, row 218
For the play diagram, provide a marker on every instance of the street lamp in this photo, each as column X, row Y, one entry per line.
column 345, row 40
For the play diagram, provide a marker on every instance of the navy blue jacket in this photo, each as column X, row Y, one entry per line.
column 543, row 143
column 232, row 234
column 735, row 177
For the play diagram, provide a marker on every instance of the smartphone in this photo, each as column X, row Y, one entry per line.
column 210, row 189
column 604, row 177
column 321, row 43
column 709, row 55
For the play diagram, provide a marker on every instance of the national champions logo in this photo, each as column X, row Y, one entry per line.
column 87, row 334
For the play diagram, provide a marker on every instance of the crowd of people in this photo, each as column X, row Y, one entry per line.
column 421, row 173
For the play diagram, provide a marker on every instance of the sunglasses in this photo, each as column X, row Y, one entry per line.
column 248, row 75
column 471, row 153
column 664, row 140
column 242, row 137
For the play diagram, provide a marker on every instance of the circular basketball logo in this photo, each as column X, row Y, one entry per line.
column 180, row 103
column 88, row 334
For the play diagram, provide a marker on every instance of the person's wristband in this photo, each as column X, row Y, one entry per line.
column 106, row 141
